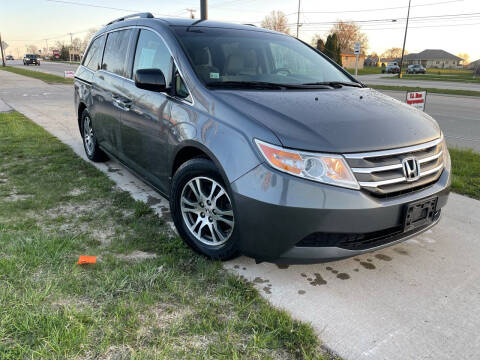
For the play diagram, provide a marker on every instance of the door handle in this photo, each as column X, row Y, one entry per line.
column 120, row 103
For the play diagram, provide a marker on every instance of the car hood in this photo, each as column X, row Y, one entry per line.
column 338, row 120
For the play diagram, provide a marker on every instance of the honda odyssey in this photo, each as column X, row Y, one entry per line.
column 262, row 144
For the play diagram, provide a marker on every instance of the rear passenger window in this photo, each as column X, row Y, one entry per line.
column 94, row 55
column 116, row 51
column 152, row 53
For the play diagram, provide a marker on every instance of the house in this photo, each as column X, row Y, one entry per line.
column 434, row 58
column 349, row 59
column 385, row 61
column 474, row 65
column 371, row 60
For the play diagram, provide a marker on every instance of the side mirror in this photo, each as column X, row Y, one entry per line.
column 150, row 79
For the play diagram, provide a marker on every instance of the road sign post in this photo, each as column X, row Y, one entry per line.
column 356, row 51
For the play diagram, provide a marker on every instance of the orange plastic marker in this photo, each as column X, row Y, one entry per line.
column 84, row 259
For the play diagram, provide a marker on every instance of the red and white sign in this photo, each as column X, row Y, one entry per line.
column 70, row 74
column 417, row 99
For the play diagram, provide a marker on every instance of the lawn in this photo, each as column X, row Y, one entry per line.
column 48, row 78
column 466, row 172
column 366, row 70
column 147, row 297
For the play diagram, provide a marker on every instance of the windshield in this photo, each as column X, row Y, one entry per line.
column 231, row 56
column 30, row 56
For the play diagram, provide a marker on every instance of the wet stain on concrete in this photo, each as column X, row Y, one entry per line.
column 114, row 170
column 236, row 267
column 259, row 280
column 369, row 260
column 318, row 280
column 328, row 268
column 309, row 279
column 303, row 275
column 301, row 292
column 356, row 259
column 282, row 266
column 367, row 265
column 166, row 214
column 152, row 200
column 334, row 272
column 244, row 268
column 400, row 251
column 267, row 290
column 356, row 270
column 343, row 276
column 383, row 257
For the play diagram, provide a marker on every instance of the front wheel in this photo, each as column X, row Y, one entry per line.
column 203, row 211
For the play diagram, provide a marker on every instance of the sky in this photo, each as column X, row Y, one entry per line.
column 24, row 22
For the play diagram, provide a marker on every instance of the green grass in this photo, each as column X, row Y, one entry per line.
column 466, row 172
column 366, row 70
column 430, row 90
column 48, row 78
column 54, row 207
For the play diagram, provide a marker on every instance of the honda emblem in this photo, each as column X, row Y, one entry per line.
column 411, row 169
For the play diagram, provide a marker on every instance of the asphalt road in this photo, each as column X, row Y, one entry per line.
column 55, row 68
column 458, row 116
column 379, row 79
column 416, row 300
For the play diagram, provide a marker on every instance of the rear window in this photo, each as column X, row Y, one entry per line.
column 116, row 50
column 94, row 55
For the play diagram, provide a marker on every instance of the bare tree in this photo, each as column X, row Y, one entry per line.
column 393, row 53
column 88, row 37
column 465, row 57
column 276, row 21
column 33, row 49
column 348, row 34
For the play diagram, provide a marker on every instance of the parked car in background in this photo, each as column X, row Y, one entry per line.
column 391, row 68
column 263, row 145
column 416, row 69
column 31, row 59
column 9, row 57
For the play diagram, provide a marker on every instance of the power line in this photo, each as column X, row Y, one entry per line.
column 100, row 6
column 444, row 17
column 377, row 9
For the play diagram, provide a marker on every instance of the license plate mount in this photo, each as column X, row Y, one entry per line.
column 420, row 213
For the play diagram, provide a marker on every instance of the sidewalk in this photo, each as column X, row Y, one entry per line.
column 417, row 300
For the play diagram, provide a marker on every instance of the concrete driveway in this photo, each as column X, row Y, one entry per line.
column 55, row 68
column 416, row 300
column 380, row 79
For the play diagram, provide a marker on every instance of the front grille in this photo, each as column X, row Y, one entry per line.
column 381, row 172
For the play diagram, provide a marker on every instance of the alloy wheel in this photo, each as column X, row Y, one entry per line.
column 88, row 135
column 207, row 211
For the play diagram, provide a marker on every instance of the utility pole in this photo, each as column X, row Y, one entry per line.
column 404, row 40
column 46, row 43
column 203, row 10
column 192, row 13
column 71, row 47
column 1, row 50
column 298, row 18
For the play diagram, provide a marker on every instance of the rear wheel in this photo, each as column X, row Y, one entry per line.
column 90, row 144
column 202, row 209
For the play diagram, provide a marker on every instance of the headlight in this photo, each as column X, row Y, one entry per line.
column 447, row 163
column 324, row 168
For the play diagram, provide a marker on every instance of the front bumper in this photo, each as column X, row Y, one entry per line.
column 276, row 211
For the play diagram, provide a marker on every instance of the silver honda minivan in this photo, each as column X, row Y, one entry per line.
column 262, row 144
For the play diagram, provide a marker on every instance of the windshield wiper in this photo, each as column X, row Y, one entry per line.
column 264, row 85
column 336, row 84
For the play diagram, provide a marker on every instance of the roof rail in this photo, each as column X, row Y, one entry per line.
column 140, row 15
column 250, row 25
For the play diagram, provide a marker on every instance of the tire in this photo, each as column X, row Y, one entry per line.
column 204, row 219
column 93, row 152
